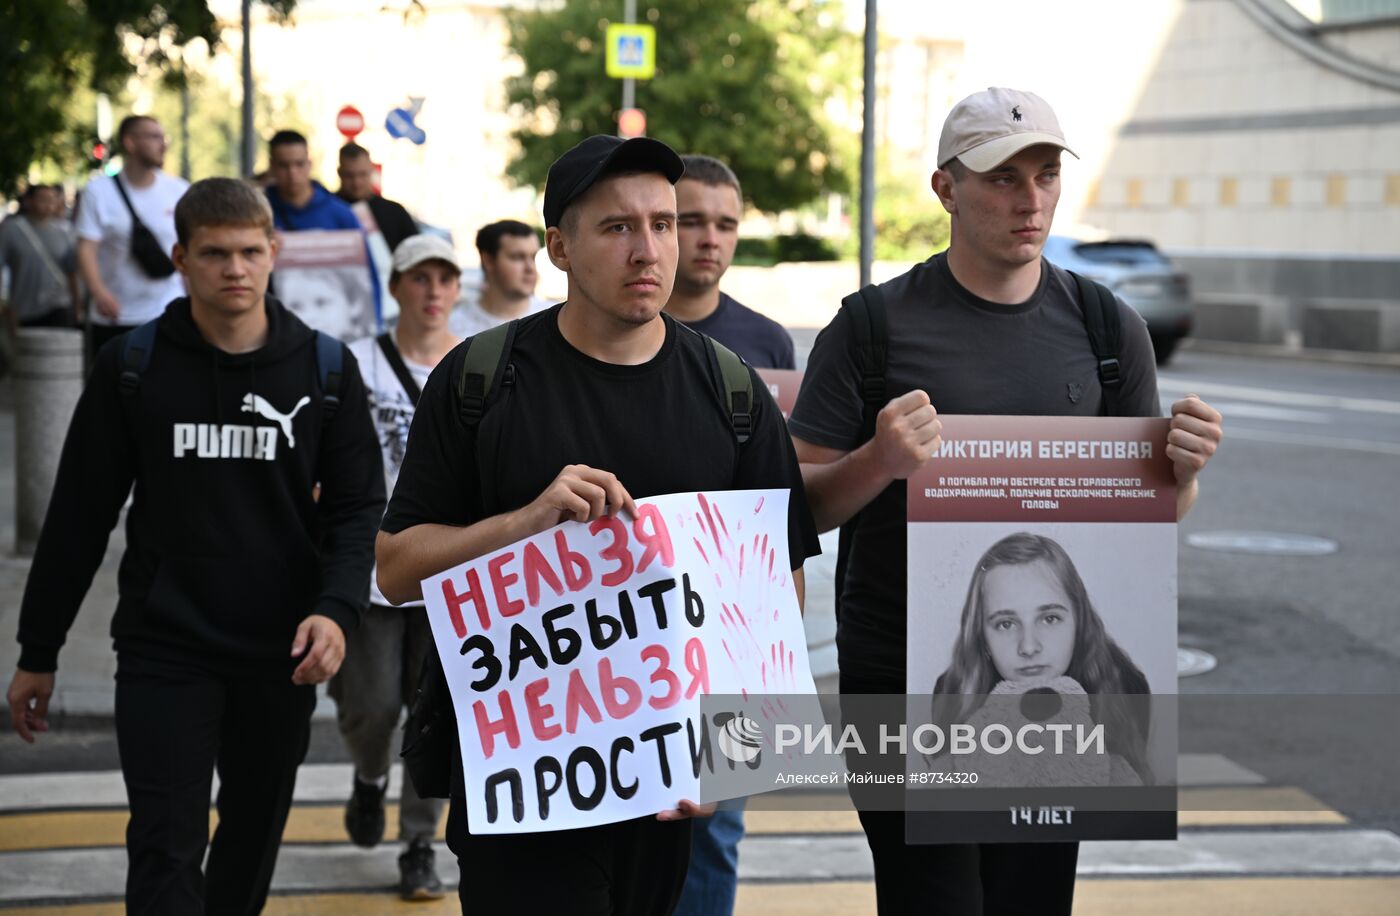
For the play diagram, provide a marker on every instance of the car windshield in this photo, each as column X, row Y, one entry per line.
column 1127, row 253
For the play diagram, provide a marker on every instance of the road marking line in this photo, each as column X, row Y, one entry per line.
column 1299, row 438
column 1273, row 396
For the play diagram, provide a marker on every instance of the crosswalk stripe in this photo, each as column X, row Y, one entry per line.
column 1236, row 896
column 1256, row 806
column 30, row 877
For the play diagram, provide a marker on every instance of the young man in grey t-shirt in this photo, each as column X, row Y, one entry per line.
column 989, row 327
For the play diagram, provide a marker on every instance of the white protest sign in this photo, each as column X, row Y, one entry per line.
column 324, row 278
column 578, row 658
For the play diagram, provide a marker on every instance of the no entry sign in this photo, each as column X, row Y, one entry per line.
column 349, row 121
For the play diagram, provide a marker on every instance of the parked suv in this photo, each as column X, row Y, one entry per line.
column 1140, row 275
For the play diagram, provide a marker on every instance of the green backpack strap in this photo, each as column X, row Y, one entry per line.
column 738, row 389
column 485, row 365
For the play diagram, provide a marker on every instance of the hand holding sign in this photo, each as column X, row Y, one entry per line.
column 906, row 434
column 687, row 808
column 580, row 494
column 1195, row 435
column 579, row 656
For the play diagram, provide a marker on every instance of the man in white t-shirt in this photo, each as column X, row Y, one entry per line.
column 507, row 248
column 384, row 655
column 124, row 293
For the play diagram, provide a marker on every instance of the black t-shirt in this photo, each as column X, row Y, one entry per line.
column 972, row 357
column 661, row 427
column 761, row 341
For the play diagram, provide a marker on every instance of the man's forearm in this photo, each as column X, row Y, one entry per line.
column 1186, row 497
column 87, row 266
column 407, row 558
column 838, row 490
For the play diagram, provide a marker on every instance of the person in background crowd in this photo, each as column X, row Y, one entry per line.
column 121, row 264
column 357, row 186
column 507, row 248
column 711, row 204
column 38, row 259
column 384, row 657
column 298, row 201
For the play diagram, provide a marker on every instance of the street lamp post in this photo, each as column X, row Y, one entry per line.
column 249, row 150
column 867, row 147
column 629, row 85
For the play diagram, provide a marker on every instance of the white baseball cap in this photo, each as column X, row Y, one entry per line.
column 416, row 249
column 989, row 127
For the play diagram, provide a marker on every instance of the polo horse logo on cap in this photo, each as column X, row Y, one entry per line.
column 1016, row 113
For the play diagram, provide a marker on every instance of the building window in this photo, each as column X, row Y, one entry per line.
column 1229, row 192
column 1392, row 190
column 1280, row 192
column 1134, row 192
column 1091, row 199
column 1181, row 192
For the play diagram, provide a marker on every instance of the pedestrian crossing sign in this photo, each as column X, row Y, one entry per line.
column 631, row 51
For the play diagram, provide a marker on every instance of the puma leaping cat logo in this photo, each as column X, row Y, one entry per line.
column 253, row 403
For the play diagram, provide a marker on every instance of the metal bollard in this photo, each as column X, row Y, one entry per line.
column 48, row 379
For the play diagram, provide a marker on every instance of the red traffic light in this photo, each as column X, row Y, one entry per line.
column 99, row 151
column 631, row 122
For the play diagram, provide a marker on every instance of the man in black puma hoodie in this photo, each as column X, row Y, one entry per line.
column 238, row 585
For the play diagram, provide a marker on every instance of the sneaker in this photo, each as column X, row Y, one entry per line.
column 364, row 813
column 418, row 879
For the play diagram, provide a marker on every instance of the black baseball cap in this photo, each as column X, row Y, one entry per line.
column 580, row 168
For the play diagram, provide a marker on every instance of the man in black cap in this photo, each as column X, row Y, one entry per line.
column 629, row 403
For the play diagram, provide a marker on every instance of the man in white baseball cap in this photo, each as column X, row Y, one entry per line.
column 987, row 327
column 988, row 128
column 384, row 655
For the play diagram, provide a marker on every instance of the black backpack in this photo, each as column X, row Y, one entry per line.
column 431, row 727
column 870, row 328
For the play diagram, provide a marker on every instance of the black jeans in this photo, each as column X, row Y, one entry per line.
column 633, row 868
column 971, row 879
column 177, row 722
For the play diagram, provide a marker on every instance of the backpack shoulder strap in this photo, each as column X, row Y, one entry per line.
column 1102, row 323
column 738, row 389
column 136, row 355
column 394, row 358
column 486, row 363
column 328, row 366
column 870, row 327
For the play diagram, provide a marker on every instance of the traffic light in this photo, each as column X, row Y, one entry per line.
column 98, row 157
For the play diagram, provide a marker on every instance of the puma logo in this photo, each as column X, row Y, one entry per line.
column 1016, row 113
column 253, row 403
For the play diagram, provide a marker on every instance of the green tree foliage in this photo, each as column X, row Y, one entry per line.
column 53, row 50
column 745, row 81
column 215, row 124
column 910, row 223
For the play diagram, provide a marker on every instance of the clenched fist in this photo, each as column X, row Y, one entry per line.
column 907, row 433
